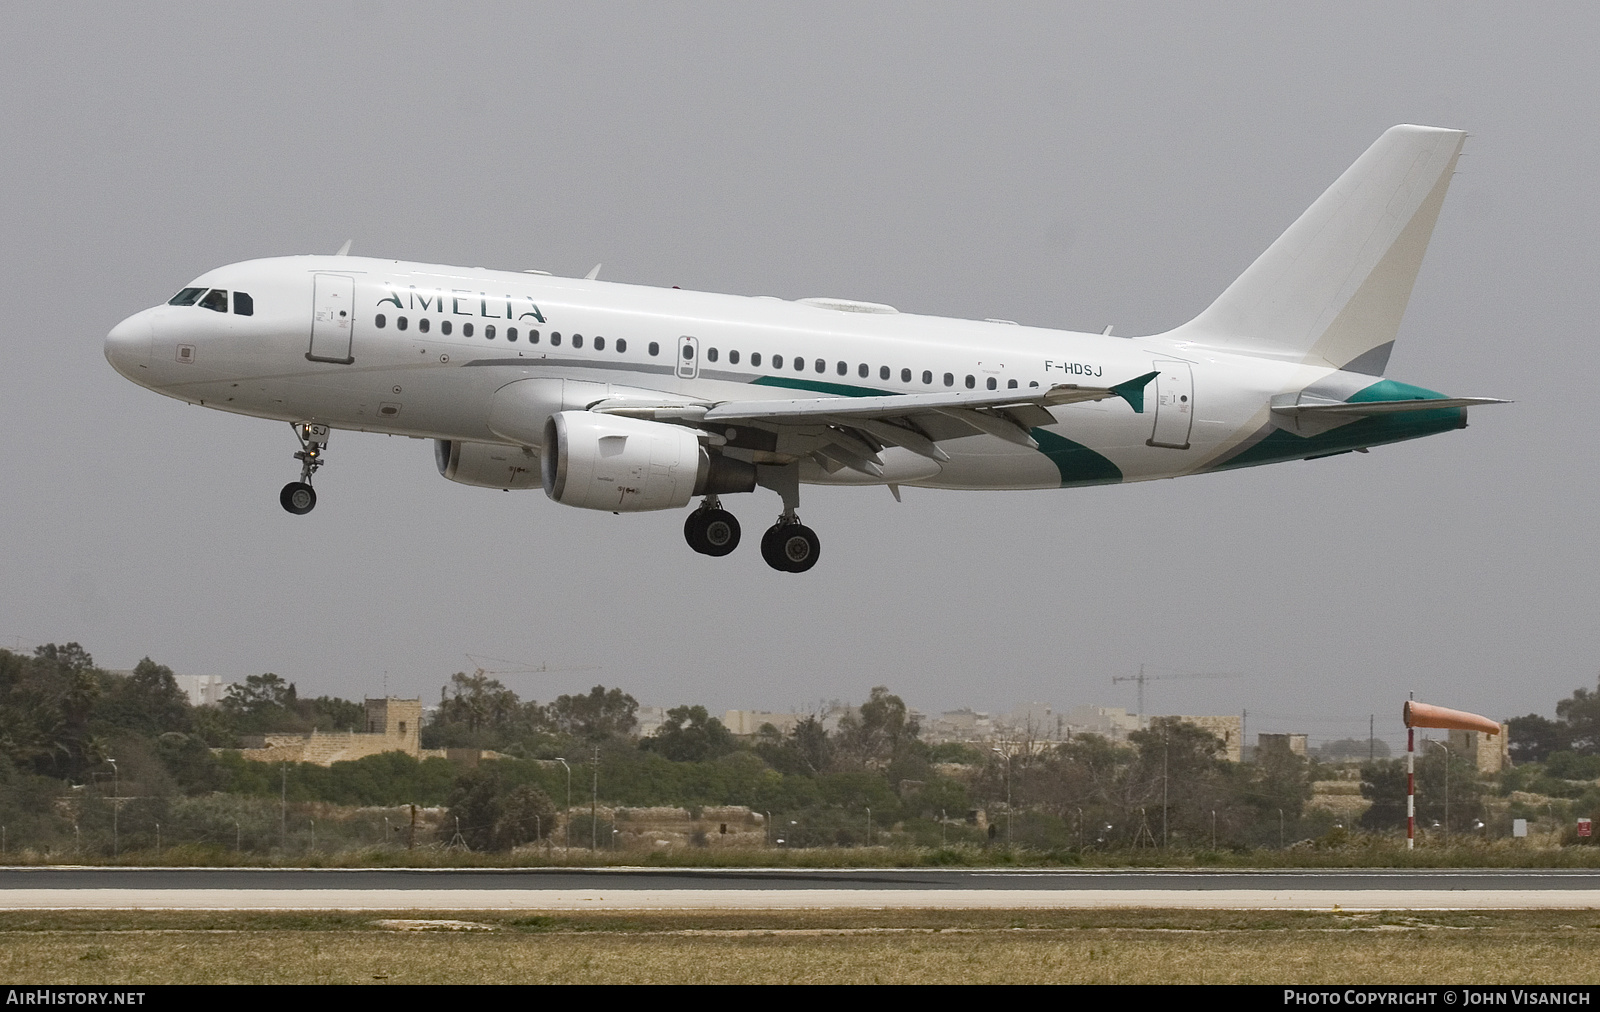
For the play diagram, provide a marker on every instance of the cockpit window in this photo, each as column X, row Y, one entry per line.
column 243, row 304
column 186, row 297
column 216, row 299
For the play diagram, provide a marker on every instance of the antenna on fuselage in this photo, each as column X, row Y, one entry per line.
column 593, row 273
column 344, row 250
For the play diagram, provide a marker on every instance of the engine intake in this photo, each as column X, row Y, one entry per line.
column 630, row 465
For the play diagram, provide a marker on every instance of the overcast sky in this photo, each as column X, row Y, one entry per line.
column 1059, row 165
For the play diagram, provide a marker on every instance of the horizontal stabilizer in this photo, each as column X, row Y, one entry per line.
column 1382, row 407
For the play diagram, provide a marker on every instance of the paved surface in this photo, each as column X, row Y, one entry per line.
column 753, row 889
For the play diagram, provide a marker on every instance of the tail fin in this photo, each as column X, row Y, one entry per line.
column 1333, row 287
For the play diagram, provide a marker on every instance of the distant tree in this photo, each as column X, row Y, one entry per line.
column 690, row 734
column 601, row 714
column 330, row 713
column 1347, row 749
column 806, row 750
column 874, row 734
column 1581, row 713
column 1534, row 738
column 263, row 703
column 148, row 701
column 495, row 813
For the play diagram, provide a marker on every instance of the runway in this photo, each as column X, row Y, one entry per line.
column 567, row 889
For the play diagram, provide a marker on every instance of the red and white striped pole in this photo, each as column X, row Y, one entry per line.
column 1418, row 715
column 1411, row 788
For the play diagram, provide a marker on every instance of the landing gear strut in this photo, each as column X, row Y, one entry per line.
column 789, row 546
column 298, row 497
column 711, row 530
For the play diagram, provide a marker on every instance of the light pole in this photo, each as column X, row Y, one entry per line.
column 1433, row 741
column 594, row 804
column 1007, row 756
column 869, row 825
column 566, row 830
column 116, row 809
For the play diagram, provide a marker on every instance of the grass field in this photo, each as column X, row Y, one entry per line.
column 1102, row 947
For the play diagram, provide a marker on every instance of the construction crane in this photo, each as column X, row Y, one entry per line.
column 1141, row 678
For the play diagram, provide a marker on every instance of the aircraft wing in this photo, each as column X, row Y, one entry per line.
column 849, row 431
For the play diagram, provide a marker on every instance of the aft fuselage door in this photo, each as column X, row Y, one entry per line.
column 1174, row 405
column 333, row 306
column 688, row 357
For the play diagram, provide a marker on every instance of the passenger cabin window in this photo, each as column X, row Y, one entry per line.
column 380, row 321
column 555, row 338
column 488, row 331
column 187, row 297
column 905, row 376
column 711, row 354
column 655, row 349
column 511, row 333
column 622, row 345
column 577, row 340
column 466, row 329
column 733, row 358
column 599, row 344
column 444, row 327
column 216, row 300
column 243, row 304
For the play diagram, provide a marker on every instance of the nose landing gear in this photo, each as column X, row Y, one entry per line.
column 298, row 497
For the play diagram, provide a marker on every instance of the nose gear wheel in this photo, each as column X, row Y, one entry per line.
column 298, row 497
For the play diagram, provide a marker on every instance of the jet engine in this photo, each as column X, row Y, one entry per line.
column 487, row 465
column 629, row 465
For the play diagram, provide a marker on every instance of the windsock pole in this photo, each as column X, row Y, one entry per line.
column 1411, row 788
column 1417, row 715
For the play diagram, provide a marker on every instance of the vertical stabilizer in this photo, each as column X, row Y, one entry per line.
column 1333, row 288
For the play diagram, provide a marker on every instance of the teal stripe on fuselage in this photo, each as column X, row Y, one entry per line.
column 818, row 386
column 1078, row 464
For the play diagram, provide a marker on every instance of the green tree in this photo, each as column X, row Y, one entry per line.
column 806, row 750
column 601, row 714
column 148, row 701
column 494, row 812
column 690, row 734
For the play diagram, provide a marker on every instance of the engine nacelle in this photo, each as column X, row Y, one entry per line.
column 629, row 465
column 487, row 465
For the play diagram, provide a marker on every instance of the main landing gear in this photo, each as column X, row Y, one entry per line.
column 789, row 546
column 711, row 530
column 298, row 497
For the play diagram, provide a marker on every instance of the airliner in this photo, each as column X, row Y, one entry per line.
column 629, row 398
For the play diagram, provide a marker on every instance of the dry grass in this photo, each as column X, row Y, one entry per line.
column 804, row 947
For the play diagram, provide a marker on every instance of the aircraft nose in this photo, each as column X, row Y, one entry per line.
column 128, row 345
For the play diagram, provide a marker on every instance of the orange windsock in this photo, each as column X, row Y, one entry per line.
column 1423, row 715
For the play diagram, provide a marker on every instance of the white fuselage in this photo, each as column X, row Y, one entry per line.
column 424, row 348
